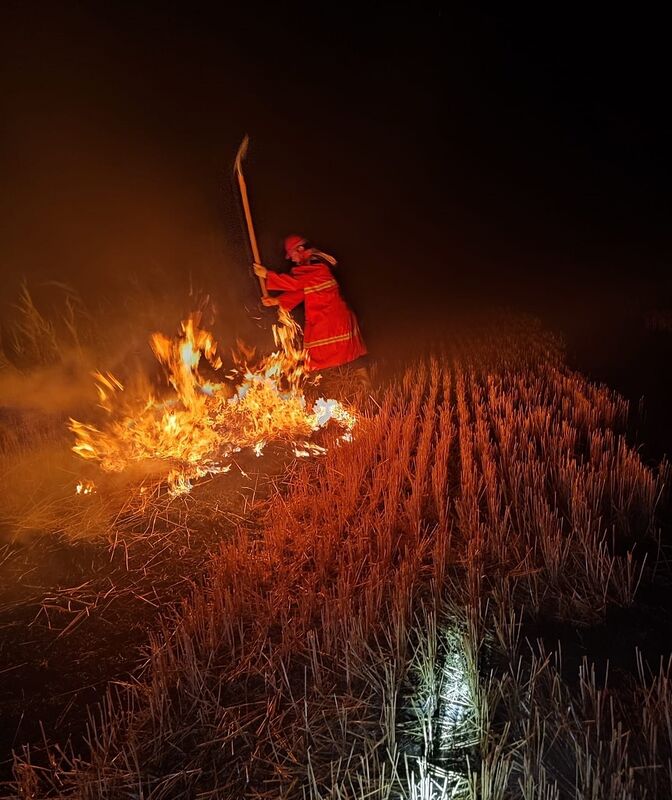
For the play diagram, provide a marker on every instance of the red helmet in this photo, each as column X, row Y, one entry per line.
column 292, row 242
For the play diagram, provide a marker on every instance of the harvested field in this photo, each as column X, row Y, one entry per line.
column 467, row 600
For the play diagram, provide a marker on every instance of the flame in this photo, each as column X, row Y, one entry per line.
column 196, row 430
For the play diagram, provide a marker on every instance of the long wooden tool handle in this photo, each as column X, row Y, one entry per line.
column 238, row 169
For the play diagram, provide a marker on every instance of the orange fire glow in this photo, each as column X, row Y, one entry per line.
column 196, row 431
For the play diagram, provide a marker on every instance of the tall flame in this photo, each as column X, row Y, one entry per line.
column 196, row 430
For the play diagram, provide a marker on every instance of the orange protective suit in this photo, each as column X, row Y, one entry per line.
column 331, row 334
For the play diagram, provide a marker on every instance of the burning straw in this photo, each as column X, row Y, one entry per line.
column 195, row 431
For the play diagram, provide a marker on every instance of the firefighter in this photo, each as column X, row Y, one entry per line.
column 331, row 335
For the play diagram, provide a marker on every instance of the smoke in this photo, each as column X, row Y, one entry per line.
column 58, row 390
column 52, row 344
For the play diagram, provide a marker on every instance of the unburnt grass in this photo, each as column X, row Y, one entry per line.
column 390, row 626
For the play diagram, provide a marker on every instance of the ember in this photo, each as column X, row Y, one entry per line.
column 197, row 430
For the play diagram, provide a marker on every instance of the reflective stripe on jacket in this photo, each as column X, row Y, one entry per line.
column 331, row 334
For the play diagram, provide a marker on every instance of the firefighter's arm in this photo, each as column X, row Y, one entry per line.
column 290, row 299
column 291, row 288
column 280, row 281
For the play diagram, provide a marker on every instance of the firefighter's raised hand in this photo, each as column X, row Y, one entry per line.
column 259, row 271
column 270, row 301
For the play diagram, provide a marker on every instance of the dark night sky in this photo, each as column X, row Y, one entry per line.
column 447, row 156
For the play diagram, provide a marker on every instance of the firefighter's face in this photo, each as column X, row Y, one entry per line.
column 297, row 254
